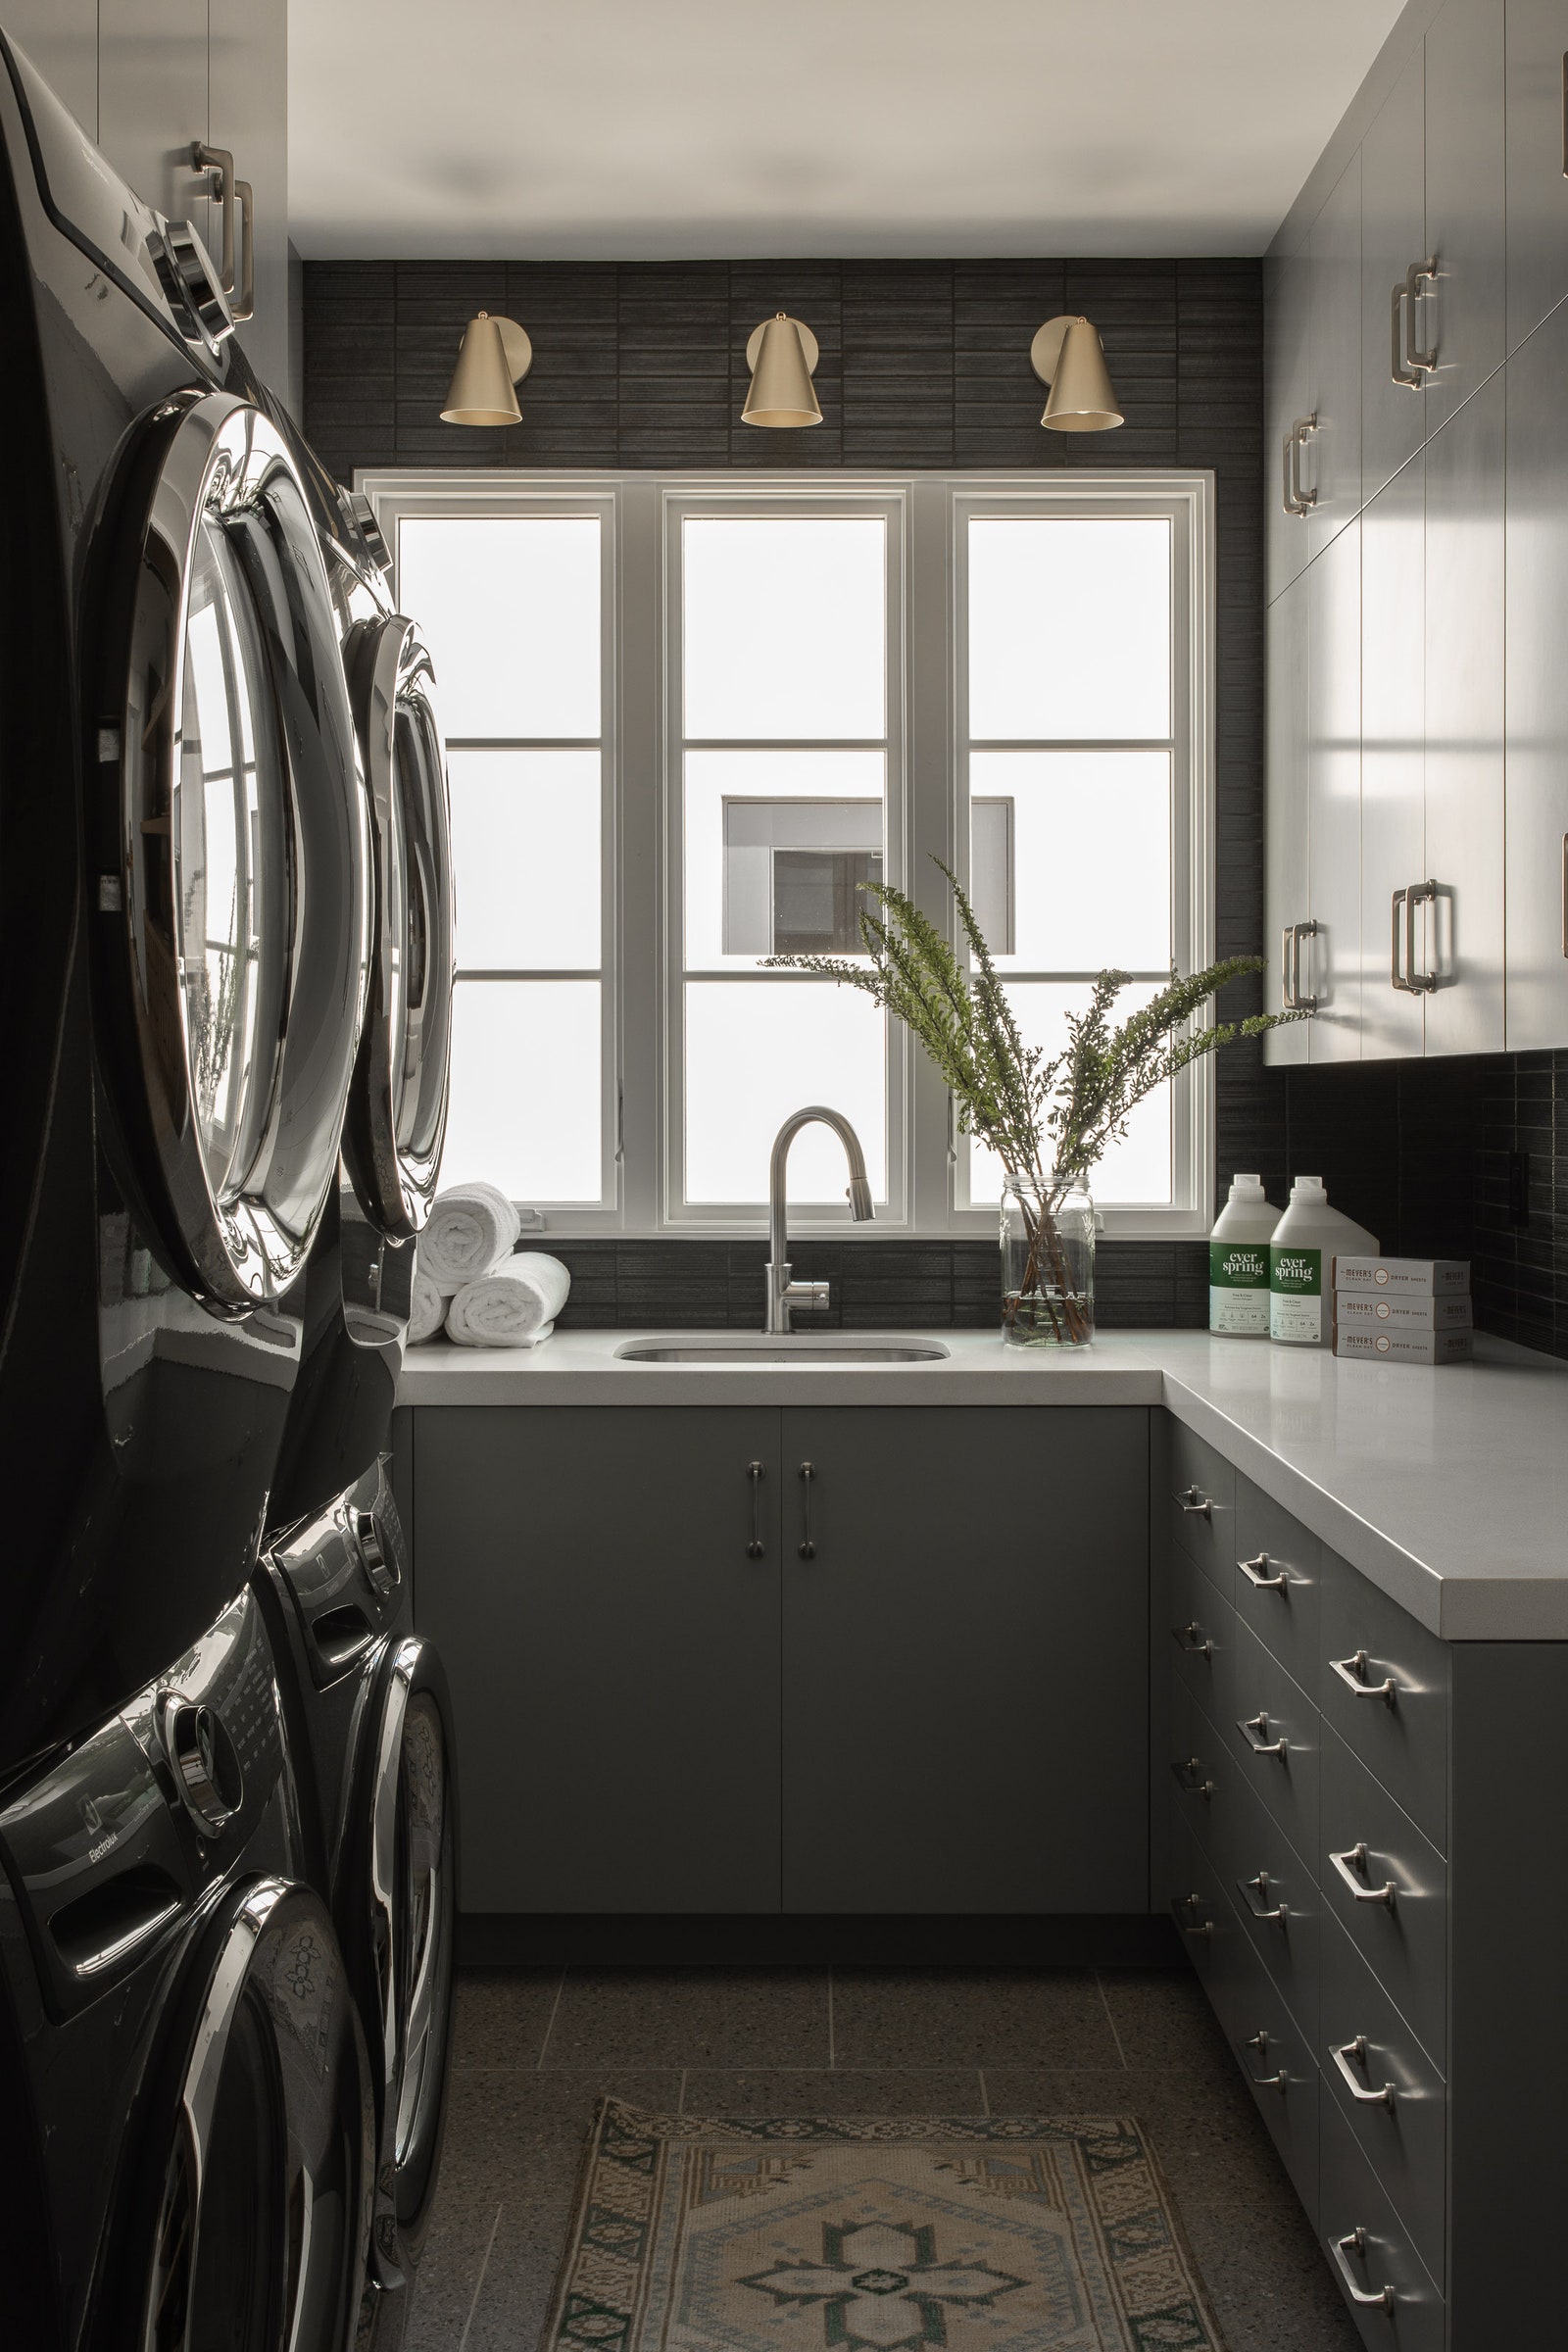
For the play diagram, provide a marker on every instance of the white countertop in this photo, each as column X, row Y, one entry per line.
column 1448, row 1489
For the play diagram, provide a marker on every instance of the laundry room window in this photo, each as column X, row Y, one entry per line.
column 514, row 608
column 696, row 719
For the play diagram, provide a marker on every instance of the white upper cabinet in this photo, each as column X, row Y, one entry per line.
column 1288, row 912
column 1536, row 674
column 1334, row 798
column 1332, row 456
column 1536, row 39
column 1393, row 753
column 1462, row 306
column 1393, row 245
column 1287, row 337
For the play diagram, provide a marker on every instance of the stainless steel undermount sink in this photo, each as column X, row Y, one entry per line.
column 778, row 1348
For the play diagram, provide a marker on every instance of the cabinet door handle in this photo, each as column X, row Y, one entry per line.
column 1192, row 1904
column 1256, row 1573
column 1280, row 2082
column 1352, row 1671
column 1189, row 1777
column 1295, row 1000
column 1405, row 376
column 1347, row 2056
column 754, row 1549
column 1255, row 1730
column 1192, row 1638
column 1418, row 274
column 1287, row 934
column 1299, row 499
column 220, row 161
column 1351, row 1867
column 807, row 1550
column 1396, row 978
column 244, row 305
column 1355, row 2242
column 1275, row 1914
column 1419, row 893
column 1195, row 1504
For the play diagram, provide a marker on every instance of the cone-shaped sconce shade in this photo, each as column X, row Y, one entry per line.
column 782, row 354
column 496, row 356
column 1068, row 356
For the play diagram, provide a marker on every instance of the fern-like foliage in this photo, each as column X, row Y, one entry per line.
column 1049, row 1120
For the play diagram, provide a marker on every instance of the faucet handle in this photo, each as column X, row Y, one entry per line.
column 809, row 1297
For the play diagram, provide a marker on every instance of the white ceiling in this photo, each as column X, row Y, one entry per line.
column 724, row 127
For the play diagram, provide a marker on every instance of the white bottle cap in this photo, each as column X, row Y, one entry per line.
column 1308, row 1188
column 1246, row 1188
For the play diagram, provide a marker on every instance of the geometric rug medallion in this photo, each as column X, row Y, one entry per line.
column 888, row 2233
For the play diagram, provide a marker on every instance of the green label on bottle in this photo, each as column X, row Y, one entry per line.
column 1295, row 1294
column 1238, row 1266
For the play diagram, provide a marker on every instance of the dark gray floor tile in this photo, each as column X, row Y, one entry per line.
column 845, row 2090
column 691, row 2016
column 1161, row 2017
column 1269, row 2284
column 1206, row 2132
column 970, row 2017
column 503, row 2014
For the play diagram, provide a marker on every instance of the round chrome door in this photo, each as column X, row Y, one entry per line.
column 237, row 930
column 397, row 1114
column 262, row 2226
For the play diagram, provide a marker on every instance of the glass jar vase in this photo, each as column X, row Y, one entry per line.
column 1048, row 1263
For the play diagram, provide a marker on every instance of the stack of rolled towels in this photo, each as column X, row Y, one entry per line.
column 468, row 1282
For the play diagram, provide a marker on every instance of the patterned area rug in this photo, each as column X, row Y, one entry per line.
column 1002, row 2233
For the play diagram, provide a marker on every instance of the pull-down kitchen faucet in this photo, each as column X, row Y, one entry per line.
column 783, row 1295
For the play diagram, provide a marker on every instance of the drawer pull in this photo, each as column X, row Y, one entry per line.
column 1196, row 1505
column 1191, row 1639
column 1280, row 2082
column 1255, row 1730
column 1189, row 1777
column 1353, row 1860
column 807, row 1547
column 1355, row 2242
column 1347, row 2055
column 1353, row 1674
column 1194, row 1925
column 1256, row 1573
column 1276, row 1915
column 754, row 1549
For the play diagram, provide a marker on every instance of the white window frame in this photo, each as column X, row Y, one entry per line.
column 643, row 931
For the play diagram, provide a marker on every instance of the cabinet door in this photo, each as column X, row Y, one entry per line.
column 152, row 100
column 1464, row 702
column 1392, row 755
column 1332, row 971
column 1536, row 99
column 1465, row 315
column 61, row 39
column 613, row 1652
column 1285, row 829
column 1537, row 688
column 1334, row 454
column 1286, row 336
column 966, row 1660
column 1393, row 236
column 249, row 116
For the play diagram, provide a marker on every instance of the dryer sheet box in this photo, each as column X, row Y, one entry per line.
column 1385, row 1346
column 1415, row 1277
column 1399, row 1310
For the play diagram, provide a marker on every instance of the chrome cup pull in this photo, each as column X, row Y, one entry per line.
column 1193, row 1640
column 1352, row 1671
column 1192, row 1904
column 1276, row 1913
column 806, row 1548
column 754, row 1549
column 1280, row 2082
column 1355, row 2242
column 1255, row 1729
column 1256, row 1573
column 1196, row 1505
column 1352, row 1866
column 1347, row 2056
column 1189, row 1778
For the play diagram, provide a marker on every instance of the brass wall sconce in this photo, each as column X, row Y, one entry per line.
column 1068, row 356
column 495, row 357
column 782, row 355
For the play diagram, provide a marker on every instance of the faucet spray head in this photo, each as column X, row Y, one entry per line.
column 860, row 1199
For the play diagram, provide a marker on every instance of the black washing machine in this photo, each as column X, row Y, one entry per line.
column 185, row 903
column 179, row 2009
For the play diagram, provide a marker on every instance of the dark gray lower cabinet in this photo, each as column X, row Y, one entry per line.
column 965, row 1660
column 940, row 1706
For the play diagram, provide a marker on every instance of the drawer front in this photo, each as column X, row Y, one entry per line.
column 1276, row 1734
column 1384, row 1686
column 1276, row 2057
column 1202, row 1504
column 1204, row 1780
column 1207, row 1926
column 1202, row 1633
column 1388, row 1886
column 1278, row 1904
column 1279, row 1582
column 1369, row 2248
column 1388, row 2089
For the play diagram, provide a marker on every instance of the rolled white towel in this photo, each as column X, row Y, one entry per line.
column 429, row 1310
column 514, row 1306
column 472, row 1228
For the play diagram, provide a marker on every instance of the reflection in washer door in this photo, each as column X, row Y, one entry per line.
column 235, row 950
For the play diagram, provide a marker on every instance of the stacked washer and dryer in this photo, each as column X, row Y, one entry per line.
column 225, row 1810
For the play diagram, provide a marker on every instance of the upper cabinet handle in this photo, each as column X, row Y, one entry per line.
column 1352, row 1671
column 1418, row 274
column 228, row 191
column 1291, row 983
column 1409, row 365
column 1257, row 1574
column 1299, row 499
column 806, row 1549
column 245, row 298
column 1399, row 372
column 1396, row 922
